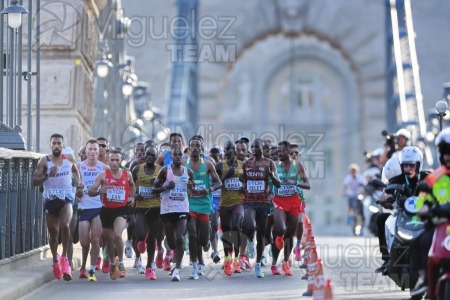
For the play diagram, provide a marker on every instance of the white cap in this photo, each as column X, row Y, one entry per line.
column 67, row 150
column 404, row 132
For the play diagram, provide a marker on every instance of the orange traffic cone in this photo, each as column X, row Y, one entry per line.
column 328, row 292
column 319, row 282
column 310, row 272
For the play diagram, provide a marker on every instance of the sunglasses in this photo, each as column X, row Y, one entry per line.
column 102, row 145
column 409, row 165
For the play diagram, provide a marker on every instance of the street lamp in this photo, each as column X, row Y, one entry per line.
column 14, row 12
column 103, row 67
column 441, row 109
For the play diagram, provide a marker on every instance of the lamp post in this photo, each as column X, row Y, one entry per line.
column 441, row 109
column 13, row 138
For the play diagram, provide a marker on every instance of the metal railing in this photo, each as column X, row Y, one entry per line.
column 22, row 220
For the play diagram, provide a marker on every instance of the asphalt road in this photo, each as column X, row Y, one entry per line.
column 348, row 261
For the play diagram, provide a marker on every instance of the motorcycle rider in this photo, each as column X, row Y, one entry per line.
column 436, row 197
column 410, row 161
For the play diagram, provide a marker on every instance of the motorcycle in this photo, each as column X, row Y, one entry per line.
column 356, row 215
column 439, row 256
column 402, row 227
column 371, row 206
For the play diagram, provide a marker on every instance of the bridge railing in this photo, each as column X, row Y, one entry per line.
column 22, row 220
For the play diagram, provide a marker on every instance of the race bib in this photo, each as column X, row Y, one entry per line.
column 115, row 195
column 217, row 193
column 146, row 192
column 233, row 184
column 178, row 194
column 286, row 190
column 57, row 193
column 255, row 186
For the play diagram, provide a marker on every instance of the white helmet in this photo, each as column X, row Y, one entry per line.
column 391, row 169
column 443, row 143
column 411, row 155
column 404, row 132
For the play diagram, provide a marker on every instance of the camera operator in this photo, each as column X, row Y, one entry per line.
column 410, row 161
column 394, row 143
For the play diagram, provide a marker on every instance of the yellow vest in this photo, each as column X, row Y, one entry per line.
column 232, row 187
column 144, row 187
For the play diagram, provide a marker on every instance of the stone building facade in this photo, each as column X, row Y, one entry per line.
column 313, row 72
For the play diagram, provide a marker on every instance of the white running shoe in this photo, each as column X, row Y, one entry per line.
column 128, row 249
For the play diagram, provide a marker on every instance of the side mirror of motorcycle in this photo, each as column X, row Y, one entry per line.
column 377, row 183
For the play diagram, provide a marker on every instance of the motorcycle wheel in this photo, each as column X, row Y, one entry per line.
column 445, row 291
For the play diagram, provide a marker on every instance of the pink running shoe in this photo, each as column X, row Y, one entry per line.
column 275, row 270
column 150, row 274
column 159, row 260
column 65, row 268
column 106, row 267
column 57, row 270
column 298, row 254
column 166, row 264
column 83, row 273
column 142, row 246
column 98, row 264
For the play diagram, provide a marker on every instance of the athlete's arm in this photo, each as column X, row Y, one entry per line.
column 191, row 183
column 274, row 174
column 217, row 183
column 40, row 175
column 75, row 172
column 301, row 172
column 218, row 167
column 160, row 159
column 98, row 182
column 133, row 189
column 135, row 173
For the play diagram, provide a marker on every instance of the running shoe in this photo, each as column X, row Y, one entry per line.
column 201, row 270
column 206, row 248
column 215, row 257
column 258, row 272
column 159, row 260
column 122, row 272
column 150, row 273
column 128, row 249
column 98, row 264
column 57, row 273
column 263, row 261
column 275, row 270
column 139, row 267
column 114, row 273
column 242, row 262
column 106, row 267
column 171, row 254
column 227, row 268
column 91, row 276
column 142, row 246
column 279, row 242
column 83, row 273
column 176, row 275
column 285, row 266
column 65, row 268
column 166, row 264
column 298, row 254
column 194, row 274
column 248, row 264
column 237, row 267
column 251, row 249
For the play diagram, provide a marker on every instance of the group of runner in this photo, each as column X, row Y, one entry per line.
column 176, row 198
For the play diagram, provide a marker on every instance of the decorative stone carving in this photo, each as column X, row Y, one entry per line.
column 11, row 138
column 292, row 15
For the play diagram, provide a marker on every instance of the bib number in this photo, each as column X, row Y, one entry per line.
column 57, row 193
column 114, row 195
column 146, row 192
column 178, row 194
column 255, row 186
column 233, row 184
column 286, row 190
